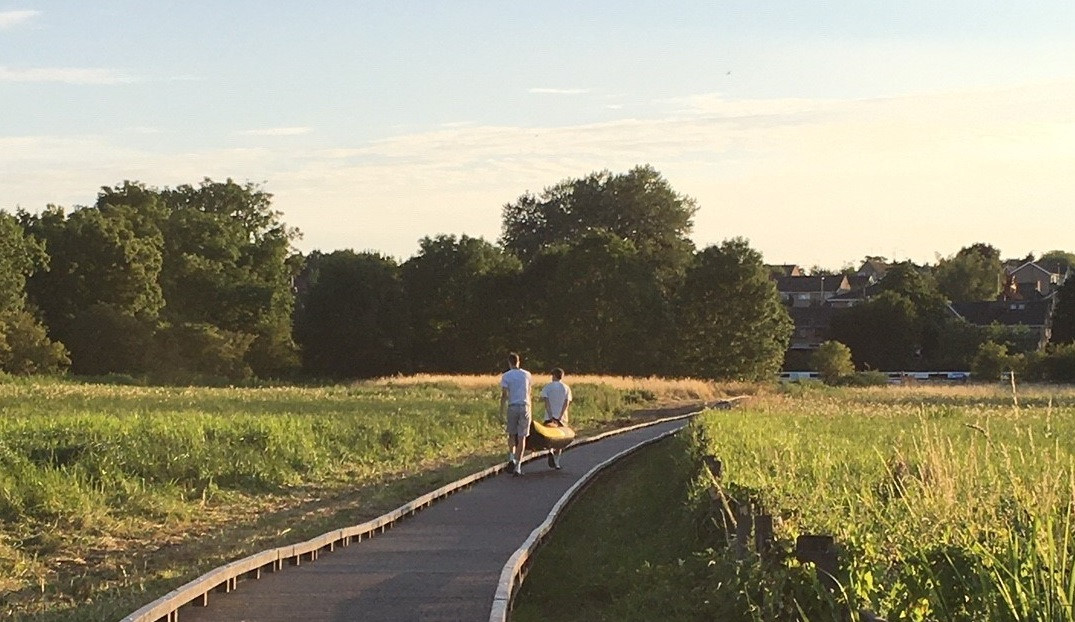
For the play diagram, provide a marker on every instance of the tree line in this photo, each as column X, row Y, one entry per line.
column 201, row 283
column 908, row 324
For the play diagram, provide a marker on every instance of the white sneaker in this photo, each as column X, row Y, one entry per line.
column 518, row 470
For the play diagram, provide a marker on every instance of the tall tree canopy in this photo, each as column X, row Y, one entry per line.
column 639, row 207
column 95, row 256
column 226, row 264
column 974, row 273
column 1064, row 313
column 730, row 321
column 352, row 317
column 1058, row 261
column 455, row 290
column 20, row 256
column 596, row 307
column 884, row 333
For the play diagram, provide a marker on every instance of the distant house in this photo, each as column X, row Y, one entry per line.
column 811, row 291
column 782, row 270
column 860, row 289
column 873, row 268
column 1030, row 281
column 1034, row 314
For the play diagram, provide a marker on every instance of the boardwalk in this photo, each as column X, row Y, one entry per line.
column 441, row 565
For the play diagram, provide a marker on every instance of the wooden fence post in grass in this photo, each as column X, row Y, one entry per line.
column 763, row 534
column 716, row 467
column 821, row 551
column 743, row 527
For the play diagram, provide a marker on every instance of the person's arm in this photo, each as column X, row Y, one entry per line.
column 503, row 401
column 567, row 406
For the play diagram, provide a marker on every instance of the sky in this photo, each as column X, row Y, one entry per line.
column 822, row 132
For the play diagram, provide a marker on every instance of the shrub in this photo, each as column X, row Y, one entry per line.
column 1058, row 364
column 990, row 361
column 832, row 360
column 201, row 353
column 25, row 347
column 104, row 340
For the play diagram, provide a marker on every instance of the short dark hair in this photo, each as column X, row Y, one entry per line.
column 513, row 359
column 557, row 373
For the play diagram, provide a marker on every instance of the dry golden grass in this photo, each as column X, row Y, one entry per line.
column 663, row 389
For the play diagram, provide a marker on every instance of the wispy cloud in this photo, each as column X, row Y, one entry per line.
column 550, row 91
column 67, row 75
column 911, row 167
column 9, row 19
column 277, row 131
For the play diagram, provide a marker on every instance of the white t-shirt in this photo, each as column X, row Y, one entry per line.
column 517, row 382
column 558, row 394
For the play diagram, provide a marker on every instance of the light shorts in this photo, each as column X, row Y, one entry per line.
column 518, row 420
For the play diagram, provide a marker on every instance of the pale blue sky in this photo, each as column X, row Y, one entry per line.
column 820, row 131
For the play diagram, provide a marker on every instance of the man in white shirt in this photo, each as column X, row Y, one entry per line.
column 557, row 398
column 515, row 387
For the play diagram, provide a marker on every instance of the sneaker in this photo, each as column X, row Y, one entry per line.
column 518, row 470
column 556, row 462
column 552, row 460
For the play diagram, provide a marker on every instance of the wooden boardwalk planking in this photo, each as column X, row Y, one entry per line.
column 440, row 565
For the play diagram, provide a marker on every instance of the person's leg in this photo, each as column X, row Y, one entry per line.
column 521, row 445
column 512, row 427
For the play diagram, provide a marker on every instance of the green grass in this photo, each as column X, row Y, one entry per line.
column 619, row 551
column 946, row 504
column 112, row 495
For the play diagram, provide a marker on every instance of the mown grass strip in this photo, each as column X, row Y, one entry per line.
column 618, row 548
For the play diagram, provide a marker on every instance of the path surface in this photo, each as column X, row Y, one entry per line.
column 440, row 565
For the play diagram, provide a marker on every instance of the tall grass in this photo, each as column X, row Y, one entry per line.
column 948, row 504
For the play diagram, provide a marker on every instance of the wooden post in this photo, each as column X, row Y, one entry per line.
column 763, row 534
column 716, row 467
column 821, row 551
column 743, row 527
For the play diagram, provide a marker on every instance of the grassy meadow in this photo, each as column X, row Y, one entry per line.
column 945, row 503
column 112, row 495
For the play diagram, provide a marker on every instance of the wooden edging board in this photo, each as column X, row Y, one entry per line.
column 225, row 578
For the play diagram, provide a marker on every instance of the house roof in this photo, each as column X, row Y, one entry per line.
column 1005, row 312
column 873, row 266
column 812, row 317
column 1032, row 266
column 786, row 269
column 808, row 284
column 858, row 290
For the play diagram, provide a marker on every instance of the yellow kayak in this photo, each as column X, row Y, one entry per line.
column 549, row 436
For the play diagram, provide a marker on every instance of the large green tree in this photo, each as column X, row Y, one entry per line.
column 974, row 273
column 730, row 321
column 226, row 254
column 456, row 292
column 884, row 333
column 596, row 306
column 1063, row 320
column 96, row 256
column 1060, row 261
column 25, row 347
column 639, row 207
column 352, row 319
column 20, row 256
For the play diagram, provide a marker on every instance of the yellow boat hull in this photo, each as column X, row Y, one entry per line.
column 549, row 436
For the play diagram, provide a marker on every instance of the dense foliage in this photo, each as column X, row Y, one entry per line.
column 598, row 274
